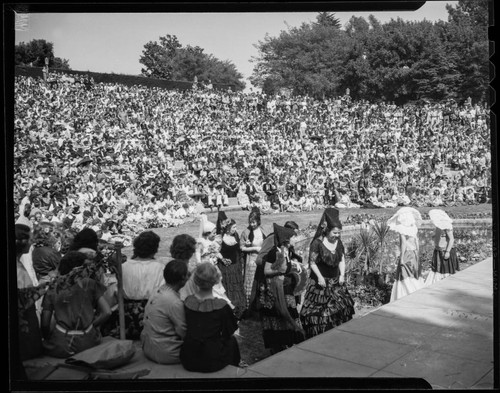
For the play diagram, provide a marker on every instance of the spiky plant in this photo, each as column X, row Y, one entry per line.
column 381, row 230
column 367, row 248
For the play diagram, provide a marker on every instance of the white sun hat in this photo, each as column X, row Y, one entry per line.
column 205, row 225
column 405, row 221
column 440, row 219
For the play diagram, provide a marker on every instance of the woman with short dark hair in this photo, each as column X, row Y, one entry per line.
column 142, row 275
column 183, row 247
column 73, row 308
column 164, row 320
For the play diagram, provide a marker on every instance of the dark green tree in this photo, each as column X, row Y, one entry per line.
column 34, row 53
column 467, row 43
column 303, row 59
column 168, row 59
column 158, row 57
column 328, row 19
column 396, row 61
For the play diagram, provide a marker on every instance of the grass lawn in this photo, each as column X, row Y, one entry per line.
column 301, row 218
column 250, row 333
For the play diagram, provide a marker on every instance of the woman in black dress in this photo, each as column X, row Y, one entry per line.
column 444, row 259
column 209, row 344
column 327, row 303
column 277, row 296
column 231, row 265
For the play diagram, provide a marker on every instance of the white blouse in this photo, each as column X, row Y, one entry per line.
column 141, row 278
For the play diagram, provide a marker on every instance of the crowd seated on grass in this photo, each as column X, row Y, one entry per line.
column 123, row 159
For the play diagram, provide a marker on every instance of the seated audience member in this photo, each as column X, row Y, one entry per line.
column 436, row 199
column 209, row 344
column 470, row 196
column 183, row 247
column 86, row 241
column 164, row 319
column 401, row 198
column 142, row 276
column 46, row 253
column 73, row 308
column 30, row 337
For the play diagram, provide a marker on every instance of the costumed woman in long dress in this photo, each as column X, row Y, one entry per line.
column 405, row 222
column 278, row 293
column 231, row 264
column 444, row 260
column 327, row 303
column 251, row 241
column 207, row 250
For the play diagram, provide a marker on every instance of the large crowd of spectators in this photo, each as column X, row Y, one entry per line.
column 121, row 159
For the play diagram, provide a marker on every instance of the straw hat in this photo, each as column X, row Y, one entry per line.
column 440, row 219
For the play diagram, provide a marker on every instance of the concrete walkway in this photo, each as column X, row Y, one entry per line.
column 442, row 333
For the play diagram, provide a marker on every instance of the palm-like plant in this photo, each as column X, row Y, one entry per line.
column 381, row 230
column 367, row 247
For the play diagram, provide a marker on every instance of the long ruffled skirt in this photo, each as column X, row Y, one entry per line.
column 325, row 308
column 442, row 268
column 406, row 277
column 278, row 330
column 232, row 280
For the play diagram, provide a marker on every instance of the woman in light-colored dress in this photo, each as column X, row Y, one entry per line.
column 408, row 274
column 207, row 250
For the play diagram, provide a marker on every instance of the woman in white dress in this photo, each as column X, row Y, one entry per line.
column 207, row 250
column 408, row 279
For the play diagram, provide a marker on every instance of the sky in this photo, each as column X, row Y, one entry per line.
column 113, row 42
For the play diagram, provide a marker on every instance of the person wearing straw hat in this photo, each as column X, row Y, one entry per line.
column 207, row 250
column 276, row 296
column 444, row 259
column 405, row 222
column 327, row 303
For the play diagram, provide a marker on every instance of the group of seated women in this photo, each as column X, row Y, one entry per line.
column 79, row 304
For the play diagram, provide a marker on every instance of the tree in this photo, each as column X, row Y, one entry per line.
column 466, row 37
column 397, row 61
column 34, row 53
column 303, row 59
column 168, row 59
column 328, row 19
column 158, row 57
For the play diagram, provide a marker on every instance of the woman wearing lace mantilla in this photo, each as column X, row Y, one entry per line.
column 327, row 303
